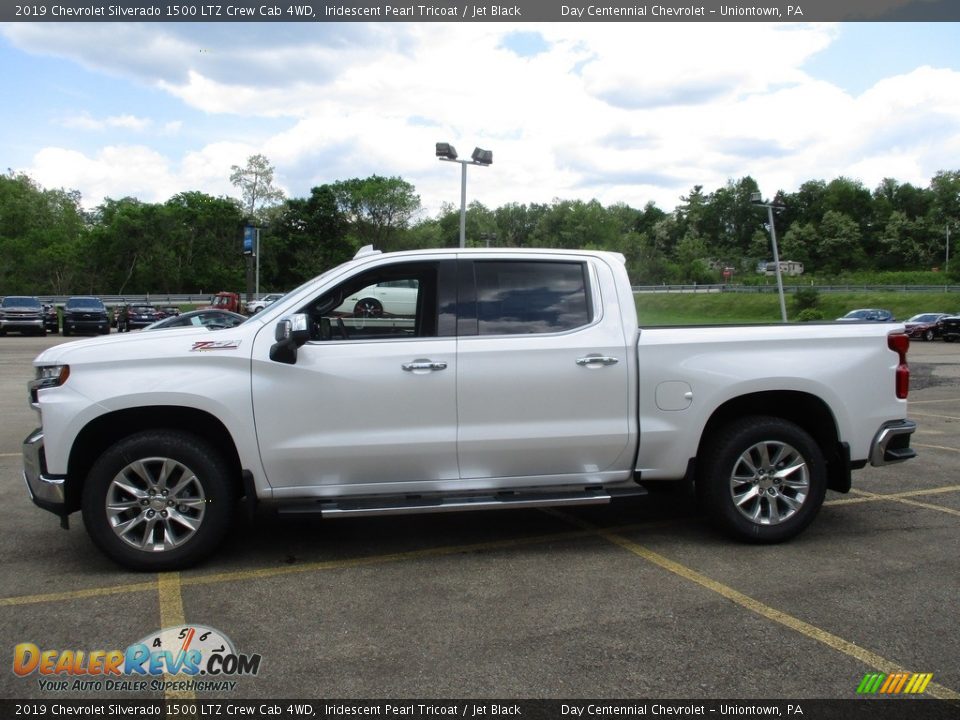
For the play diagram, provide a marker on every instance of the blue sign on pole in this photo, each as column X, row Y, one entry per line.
column 249, row 232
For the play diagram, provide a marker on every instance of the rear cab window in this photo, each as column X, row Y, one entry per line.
column 518, row 297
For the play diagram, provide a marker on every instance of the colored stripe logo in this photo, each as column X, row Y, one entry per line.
column 894, row 684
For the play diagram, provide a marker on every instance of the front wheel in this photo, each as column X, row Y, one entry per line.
column 762, row 479
column 158, row 500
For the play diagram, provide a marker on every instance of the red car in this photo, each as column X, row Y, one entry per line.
column 925, row 326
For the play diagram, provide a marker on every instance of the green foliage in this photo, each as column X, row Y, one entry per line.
column 842, row 232
column 806, row 299
column 738, row 307
column 809, row 315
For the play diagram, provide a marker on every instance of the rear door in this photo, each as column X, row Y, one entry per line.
column 543, row 384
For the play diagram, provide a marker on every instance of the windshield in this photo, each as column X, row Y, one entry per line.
column 925, row 318
column 24, row 302
column 84, row 304
column 141, row 308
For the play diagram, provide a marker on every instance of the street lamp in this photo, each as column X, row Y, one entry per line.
column 448, row 153
column 757, row 199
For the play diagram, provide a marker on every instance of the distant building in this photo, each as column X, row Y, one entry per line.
column 787, row 267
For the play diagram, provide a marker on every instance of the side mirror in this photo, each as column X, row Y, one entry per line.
column 291, row 332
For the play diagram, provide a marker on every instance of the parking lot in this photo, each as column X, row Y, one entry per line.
column 634, row 600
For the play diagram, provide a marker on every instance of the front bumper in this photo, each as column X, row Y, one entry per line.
column 892, row 443
column 88, row 326
column 21, row 324
column 46, row 491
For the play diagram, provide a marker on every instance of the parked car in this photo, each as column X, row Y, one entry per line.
column 387, row 298
column 925, row 326
column 166, row 311
column 255, row 306
column 85, row 315
column 210, row 319
column 22, row 314
column 51, row 318
column 135, row 315
column 950, row 328
column 867, row 314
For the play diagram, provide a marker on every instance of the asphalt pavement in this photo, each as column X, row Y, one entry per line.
column 640, row 599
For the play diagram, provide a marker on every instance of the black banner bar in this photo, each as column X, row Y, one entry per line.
column 480, row 11
column 865, row 709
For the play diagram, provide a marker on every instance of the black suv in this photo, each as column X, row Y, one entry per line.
column 135, row 315
column 85, row 315
column 950, row 328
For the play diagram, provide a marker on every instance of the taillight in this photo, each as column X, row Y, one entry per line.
column 900, row 343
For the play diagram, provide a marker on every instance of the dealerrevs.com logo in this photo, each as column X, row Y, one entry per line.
column 894, row 684
column 189, row 657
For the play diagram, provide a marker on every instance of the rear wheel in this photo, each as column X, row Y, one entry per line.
column 762, row 479
column 368, row 307
column 928, row 335
column 158, row 500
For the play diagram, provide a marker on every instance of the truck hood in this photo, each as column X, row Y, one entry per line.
column 175, row 342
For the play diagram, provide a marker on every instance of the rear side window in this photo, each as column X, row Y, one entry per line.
column 519, row 298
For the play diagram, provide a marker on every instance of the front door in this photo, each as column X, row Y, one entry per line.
column 370, row 404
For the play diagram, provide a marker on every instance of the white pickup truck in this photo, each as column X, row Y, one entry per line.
column 517, row 379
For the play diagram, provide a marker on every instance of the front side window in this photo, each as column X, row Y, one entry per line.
column 516, row 297
column 396, row 301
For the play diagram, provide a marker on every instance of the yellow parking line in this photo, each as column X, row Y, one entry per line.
column 931, row 402
column 804, row 628
column 171, row 615
column 265, row 573
column 936, row 447
column 933, row 415
column 904, row 500
column 78, row 594
column 864, row 496
column 11, row 454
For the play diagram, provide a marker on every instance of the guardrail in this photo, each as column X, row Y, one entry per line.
column 794, row 288
column 153, row 299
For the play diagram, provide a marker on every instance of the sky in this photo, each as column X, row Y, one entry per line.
column 618, row 112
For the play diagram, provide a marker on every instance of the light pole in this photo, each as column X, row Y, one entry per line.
column 946, row 262
column 757, row 199
column 447, row 152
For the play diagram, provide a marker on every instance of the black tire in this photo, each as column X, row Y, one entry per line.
column 928, row 335
column 144, row 529
column 65, row 332
column 762, row 479
column 368, row 307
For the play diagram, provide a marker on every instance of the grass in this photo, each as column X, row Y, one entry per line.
column 736, row 308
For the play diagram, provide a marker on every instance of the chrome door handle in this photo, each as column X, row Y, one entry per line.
column 593, row 360
column 424, row 365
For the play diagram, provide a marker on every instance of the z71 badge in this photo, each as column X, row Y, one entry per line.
column 205, row 345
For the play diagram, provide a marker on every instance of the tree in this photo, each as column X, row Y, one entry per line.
column 378, row 208
column 839, row 248
column 256, row 185
column 307, row 237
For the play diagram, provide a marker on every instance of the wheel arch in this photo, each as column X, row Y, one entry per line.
column 105, row 430
column 803, row 409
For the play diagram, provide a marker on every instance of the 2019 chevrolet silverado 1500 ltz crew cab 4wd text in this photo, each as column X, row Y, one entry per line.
column 516, row 379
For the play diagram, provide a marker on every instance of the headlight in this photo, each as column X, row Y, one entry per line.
column 48, row 376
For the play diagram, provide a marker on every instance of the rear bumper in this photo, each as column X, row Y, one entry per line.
column 892, row 443
column 46, row 491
